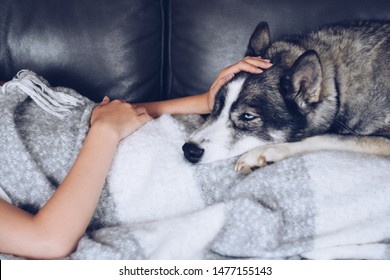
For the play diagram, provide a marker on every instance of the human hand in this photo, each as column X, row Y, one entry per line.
column 249, row 64
column 118, row 118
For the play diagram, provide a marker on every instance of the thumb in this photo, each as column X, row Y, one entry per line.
column 220, row 83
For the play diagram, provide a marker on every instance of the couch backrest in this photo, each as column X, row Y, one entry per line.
column 98, row 47
column 142, row 50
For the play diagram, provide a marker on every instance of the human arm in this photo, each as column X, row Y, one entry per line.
column 203, row 103
column 55, row 230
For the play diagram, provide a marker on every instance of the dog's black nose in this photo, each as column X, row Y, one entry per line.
column 192, row 152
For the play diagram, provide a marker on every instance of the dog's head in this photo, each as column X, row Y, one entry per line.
column 253, row 110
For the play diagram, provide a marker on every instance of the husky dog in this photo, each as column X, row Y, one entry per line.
column 328, row 90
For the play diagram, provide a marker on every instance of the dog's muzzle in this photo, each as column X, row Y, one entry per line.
column 192, row 152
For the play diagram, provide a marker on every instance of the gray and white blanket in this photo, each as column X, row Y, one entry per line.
column 155, row 205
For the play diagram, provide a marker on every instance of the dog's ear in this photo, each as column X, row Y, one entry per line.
column 302, row 83
column 259, row 41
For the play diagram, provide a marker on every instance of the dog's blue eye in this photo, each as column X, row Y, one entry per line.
column 247, row 117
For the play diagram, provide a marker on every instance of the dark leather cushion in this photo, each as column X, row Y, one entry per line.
column 142, row 50
column 98, row 47
column 208, row 35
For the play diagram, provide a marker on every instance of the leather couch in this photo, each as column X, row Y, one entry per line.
column 143, row 50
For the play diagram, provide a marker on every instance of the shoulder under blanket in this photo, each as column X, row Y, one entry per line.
column 157, row 206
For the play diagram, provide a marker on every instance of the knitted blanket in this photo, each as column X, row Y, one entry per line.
column 155, row 205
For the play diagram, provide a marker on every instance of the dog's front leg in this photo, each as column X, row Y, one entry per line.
column 264, row 155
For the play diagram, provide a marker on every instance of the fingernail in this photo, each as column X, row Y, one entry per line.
column 105, row 98
column 259, row 70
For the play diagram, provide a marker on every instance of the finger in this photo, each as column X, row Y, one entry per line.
column 243, row 66
column 105, row 101
column 220, row 83
column 228, row 77
column 143, row 118
column 258, row 62
column 140, row 110
column 257, row 58
column 251, row 65
column 120, row 101
column 223, row 80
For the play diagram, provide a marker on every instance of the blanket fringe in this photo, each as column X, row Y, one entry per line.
column 54, row 102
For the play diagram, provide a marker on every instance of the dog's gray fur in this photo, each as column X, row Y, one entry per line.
column 333, row 83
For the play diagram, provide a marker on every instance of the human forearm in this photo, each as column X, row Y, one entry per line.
column 66, row 215
column 197, row 104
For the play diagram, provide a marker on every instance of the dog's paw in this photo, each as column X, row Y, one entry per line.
column 262, row 156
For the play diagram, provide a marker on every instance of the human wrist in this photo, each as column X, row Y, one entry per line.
column 105, row 132
column 207, row 101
